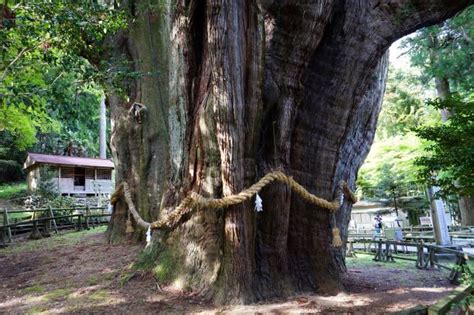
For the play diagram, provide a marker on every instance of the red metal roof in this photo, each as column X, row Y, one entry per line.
column 36, row 158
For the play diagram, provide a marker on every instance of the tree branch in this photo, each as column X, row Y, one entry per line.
column 405, row 17
column 5, row 71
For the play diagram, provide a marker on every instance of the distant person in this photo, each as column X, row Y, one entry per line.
column 398, row 229
column 377, row 229
column 377, row 226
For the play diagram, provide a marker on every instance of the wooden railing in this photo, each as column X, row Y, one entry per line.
column 418, row 233
column 387, row 251
column 48, row 219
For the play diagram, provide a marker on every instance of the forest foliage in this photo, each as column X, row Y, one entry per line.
column 414, row 147
column 51, row 74
column 54, row 64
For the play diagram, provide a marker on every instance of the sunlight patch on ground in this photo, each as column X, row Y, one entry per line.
column 178, row 284
column 300, row 304
column 439, row 289
column 52, row 301
column 154, row 298
column 343, row 299
column 21, row 301
column 97, row 286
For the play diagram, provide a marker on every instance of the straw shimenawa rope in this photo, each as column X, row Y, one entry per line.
column 195, row 201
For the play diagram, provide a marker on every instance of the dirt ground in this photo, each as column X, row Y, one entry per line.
column 79, row 273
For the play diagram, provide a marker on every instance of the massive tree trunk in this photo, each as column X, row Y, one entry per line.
column 232, row 90
column 466, row 207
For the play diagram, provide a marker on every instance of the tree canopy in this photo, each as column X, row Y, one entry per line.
column 412, row 143
column 51, row 71
column 445, row 51
column 450, row 150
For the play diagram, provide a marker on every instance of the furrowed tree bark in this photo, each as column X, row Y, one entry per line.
column 234, row 90
column 466, row 207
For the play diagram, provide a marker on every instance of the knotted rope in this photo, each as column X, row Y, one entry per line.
column 196, row 201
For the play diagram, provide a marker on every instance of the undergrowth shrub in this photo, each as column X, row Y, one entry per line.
column 10, row 171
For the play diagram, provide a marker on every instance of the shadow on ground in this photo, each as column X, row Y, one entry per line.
column 81, row 273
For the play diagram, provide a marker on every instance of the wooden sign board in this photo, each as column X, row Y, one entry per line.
column 425, row 221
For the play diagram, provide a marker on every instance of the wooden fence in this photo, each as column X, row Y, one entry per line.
column 447, row 305
column 49, row 219
column 427, row 255
column 458, row 234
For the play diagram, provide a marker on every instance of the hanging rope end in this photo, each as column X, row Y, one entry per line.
column 336, row 238
column 258, row 203
column 148, row 236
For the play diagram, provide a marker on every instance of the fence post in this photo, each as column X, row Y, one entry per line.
column 93, row 219
column 35, row 233
column 458, row 269
column 51, row 214
column 379, row 251
column 8, row 230
column 350, row 249
column 388, row 253
column 79, row 223
column 87, row 217
column 420, row 255
column 432, row 252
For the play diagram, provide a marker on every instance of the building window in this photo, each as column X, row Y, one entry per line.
column 67, row 172
column 90, row 173
column 104, row 174
column 79, row 176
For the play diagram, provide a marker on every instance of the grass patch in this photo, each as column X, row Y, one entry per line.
column 93, row 280
column 13, row 190
column 36, row 288
column 17, row 217
column 146, row 260
column 125, row 277
column 404, row 271
column 366, row 260
column 161, row 261
column 166, row 269
column 58, row 294
column 101, row 278
column 37, row 309
column 99, row 296
column 108, row 276
column 67, row 239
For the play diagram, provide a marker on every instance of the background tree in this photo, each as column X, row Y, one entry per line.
column 390, row 167
column 403, row 108
column 390, row 172
column 233, row 90
column 450, row 151
column 49, row 84
column 444, row 54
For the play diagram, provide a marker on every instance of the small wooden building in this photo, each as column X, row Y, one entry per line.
column 70, row 174
column 363, row 213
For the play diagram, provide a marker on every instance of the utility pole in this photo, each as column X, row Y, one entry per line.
column 394, row 194
column 438, row 217
column 102, row 130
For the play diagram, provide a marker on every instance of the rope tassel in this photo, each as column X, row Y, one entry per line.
column 129, row 227
column 336, row 233
column 336, row 238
